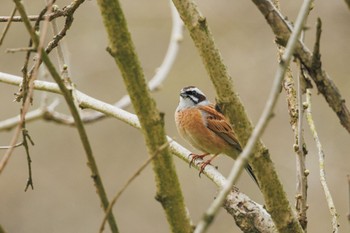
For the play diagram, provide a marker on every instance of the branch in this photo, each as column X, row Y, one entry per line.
column 4, row 32
column 67, row 93
column 275, row 198
column 30, row 116
column 260, row 127
column 347, row 3
column 122, row 50
column 153, row 85
column 56, row 13
column 128, row 182
column 321, row 158
column 282, row 30
column 244, row 209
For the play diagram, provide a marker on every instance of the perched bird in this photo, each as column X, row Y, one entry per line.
column 202, row 124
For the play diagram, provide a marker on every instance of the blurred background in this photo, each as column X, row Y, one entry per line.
column 64, row 198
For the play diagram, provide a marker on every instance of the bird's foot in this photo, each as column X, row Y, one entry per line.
column 195, row 156
column 203, row 165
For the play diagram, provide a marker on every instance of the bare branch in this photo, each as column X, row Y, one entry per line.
column 282, row 30
column 321, row 158
column 4, row 32
column 7, row 147
column 121, row 48
column 128, row 182
column 181, row 152
column 261, row 125
column 302, row 173
column 347, row 3
column 66, row 91
column 153, row 85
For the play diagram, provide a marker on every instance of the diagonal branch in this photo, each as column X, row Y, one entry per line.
column 275, row 198
column 153, row 85
column 261, row 125
column 282, row 30
column 239, row 205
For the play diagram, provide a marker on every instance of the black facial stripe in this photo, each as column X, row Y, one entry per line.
column 195, row 96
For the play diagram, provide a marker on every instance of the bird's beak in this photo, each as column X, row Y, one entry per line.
column 183, row 95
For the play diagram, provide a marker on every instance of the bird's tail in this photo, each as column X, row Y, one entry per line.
column 249, row 169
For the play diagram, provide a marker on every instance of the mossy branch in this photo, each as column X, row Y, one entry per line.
column 276, row 200
column 122, row 50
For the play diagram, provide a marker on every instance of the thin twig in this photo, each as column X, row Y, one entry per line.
column 282, row 29
column 153, row 85
column 29, row 96
column 23, row 49
column 262, row 123
column 39, row 113
column 80, row 127
column 4, row 32
column 129, row 181
column 7, row 147
column 301, row 197
column 321, row 158
column 53, row 15
column 258, row 215
column 27, row 93
column 161, row 72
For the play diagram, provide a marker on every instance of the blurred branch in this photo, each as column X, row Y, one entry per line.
column 121, row 48
column 70, row 10
column 348, row 177
column 4, row 32
column 2, row 229
column 16, row 145
column 347, row 3
column 242, row 207
column 39, row 113
column 282, row 30
column 64, row 86
column 154, row 84
column 64, row 12
column 295, row 110
column 275, row 198
column 321, row 158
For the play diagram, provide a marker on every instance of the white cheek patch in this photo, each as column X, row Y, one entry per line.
column 194, row 99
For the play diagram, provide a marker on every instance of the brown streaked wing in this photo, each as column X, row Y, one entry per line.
column 217, row 123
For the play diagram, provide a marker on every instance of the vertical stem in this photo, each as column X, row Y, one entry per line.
column 122, row 50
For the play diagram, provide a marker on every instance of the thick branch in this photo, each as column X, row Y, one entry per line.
column 282, row 30
column 122, row 50
column 275, row 198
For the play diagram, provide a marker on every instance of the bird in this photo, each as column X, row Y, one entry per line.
column 203, row 125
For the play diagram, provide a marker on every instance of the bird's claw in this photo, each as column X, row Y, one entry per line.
column 195, row 156
column 203, row 165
